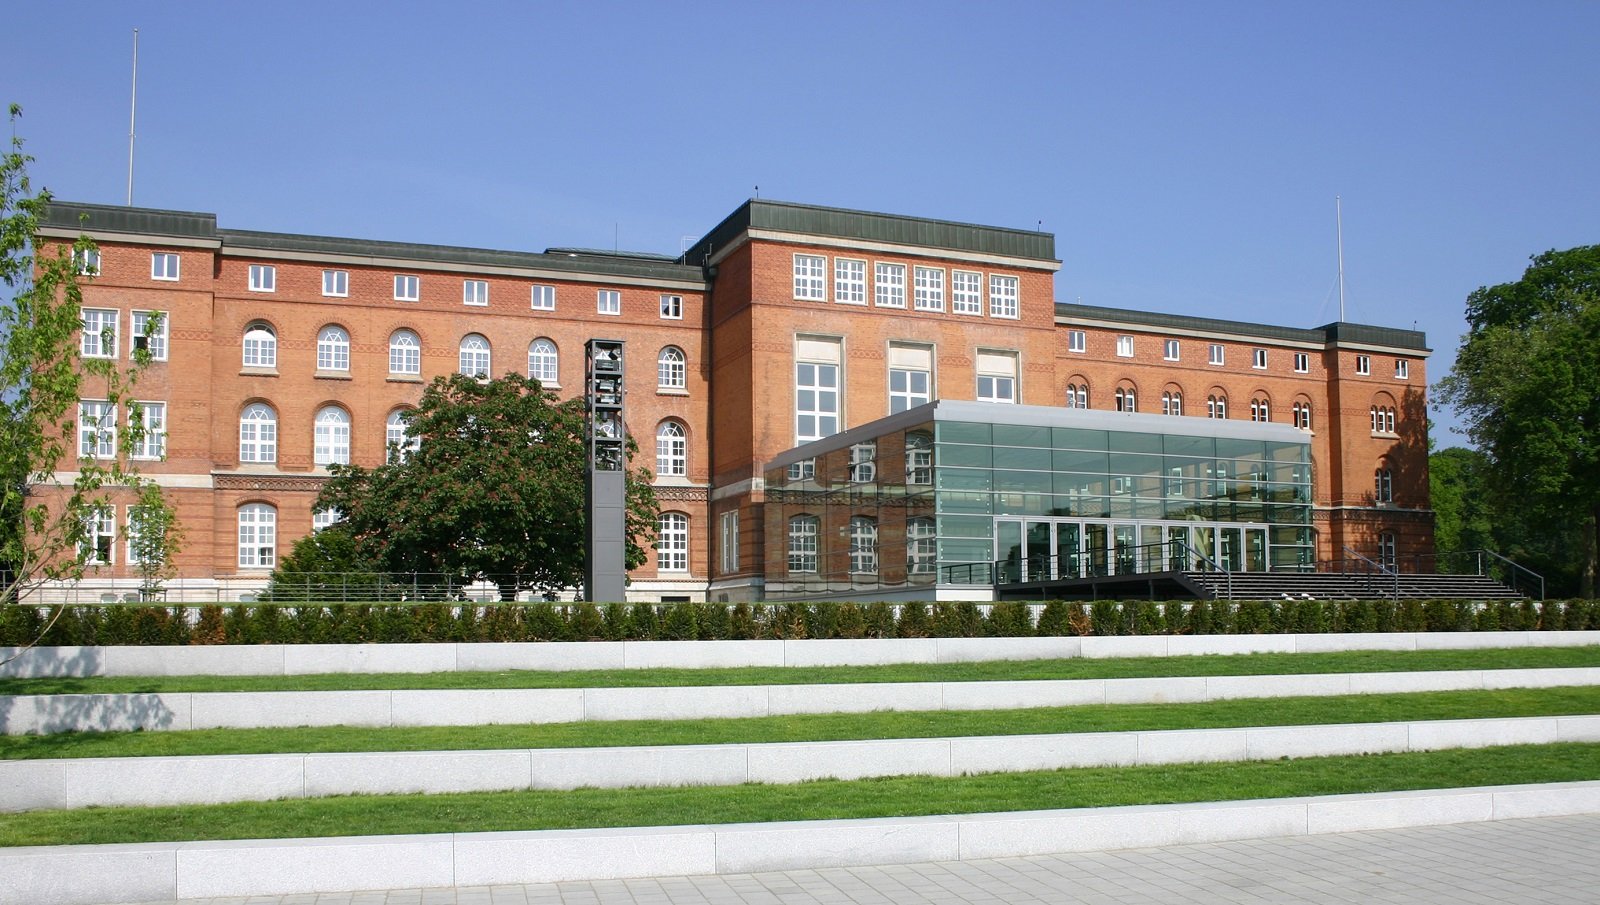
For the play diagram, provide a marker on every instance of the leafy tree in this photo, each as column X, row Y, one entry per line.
column 1463, row 518
column 494, row 490
column 42, row 377
column 1527, row 385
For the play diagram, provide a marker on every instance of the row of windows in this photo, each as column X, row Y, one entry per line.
column 97, row 429
column 99, row 544
column 1125, row 399
column 100, row 332
column 966, row 287
column 1217, row 355
column 474, row 355
column 805, row 529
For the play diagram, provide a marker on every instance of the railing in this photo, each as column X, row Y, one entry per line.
column 1380, row 568
column 1489, row 564
column 1093, row 562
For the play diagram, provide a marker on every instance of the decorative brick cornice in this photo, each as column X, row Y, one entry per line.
column 281, row 483
column 682, row 494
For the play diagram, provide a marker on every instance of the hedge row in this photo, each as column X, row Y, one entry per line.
column 444, row 622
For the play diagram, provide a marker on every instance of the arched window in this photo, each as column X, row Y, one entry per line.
column 671, row 372
column 474, row 355
column 260, row 346
column 397, row 437
column 1172, row 403
column 333, row 349
column 919, row 458
column 921, row 548
column 672, row 450
column 1125, row 400
column 863, row 545
column 1260, row 410
column 258, row 433
column 405, row 353
column 1383, row 485
column 258, row 536
column 1217, row 407
column 1302, row 415
column 1077, row 395
column 1382, row 419
column 803, row 543
column 544, row 362
column 332, row 435
column 672, row 543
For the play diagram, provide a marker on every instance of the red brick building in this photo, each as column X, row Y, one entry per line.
column 281, row 353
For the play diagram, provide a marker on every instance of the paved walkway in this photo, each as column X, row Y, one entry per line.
column 1554, row 860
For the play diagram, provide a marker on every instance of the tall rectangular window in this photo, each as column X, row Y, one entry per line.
column 1077, row 341
column 809, row 278
column 263, row 278
column 97, row 430
column 407, row 288
column 1302, row 362
column 728, row 543
column 86, row 262
column 816, row 388
column 1003, row 297
column 150, row 333
column 100, row 537
column 258, row 536
column 1218, row 354
column 163, row 265
column 672, row 307
column 544, row 298
column 99, row 332
column 1172, row 350
column 475, row 292
column 910, row 376
column 608, row 301
column 1124, row 346
column 929, row 289
column 1363, row 364
column 849, row 281
column 889, row 285
column 1258, row 359
column 336, row 283
column 997, row 377
column 1402, row 369
column 672, row 542
column 966, row 292
column 151, row 418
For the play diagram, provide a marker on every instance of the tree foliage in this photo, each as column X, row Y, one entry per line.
column 1527, row 385
column 42, row 377
column 494, row 489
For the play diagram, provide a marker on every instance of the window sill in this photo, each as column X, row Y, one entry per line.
column 402, row 378
column 332, row 375
column 671, row 391
column 258, row 372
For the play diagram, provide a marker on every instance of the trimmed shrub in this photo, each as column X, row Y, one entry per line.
column 880, row 620
column 1105, row 618
column 742, row 623
column 849, row 622
column 678, row 623
column 913, row 620
column 1009, row 619
column 1053, row 619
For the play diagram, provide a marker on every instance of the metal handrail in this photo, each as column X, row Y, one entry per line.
column 1395, row 573
column 1518, row 567
column 1216, row 566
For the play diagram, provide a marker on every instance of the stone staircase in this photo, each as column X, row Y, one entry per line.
column 1349, row 586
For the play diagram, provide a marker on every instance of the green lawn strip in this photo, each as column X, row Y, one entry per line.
column 823, row 727
column 824, row 800
column 1073, row 668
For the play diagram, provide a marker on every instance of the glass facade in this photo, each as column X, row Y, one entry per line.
column 1025, row 493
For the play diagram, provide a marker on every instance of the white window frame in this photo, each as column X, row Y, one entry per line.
column 258, row 436
column 1402, row 369
column 86, row 262
column 398, row 441
column 888, row 285
column 849, row 281
column 1005, row 296
column 728, row 543
column 672, row 369
column 810, row 277
column 1124, row 346
column 1363, row 365
column 475, row 293
column 907, row 397
column 335, row 284
column 155, row 343
column 165, row 266
column 258, row 536
column 863, row 545
column 863, row 462
column 803, row 532
column 152, row 444
column 1383, row 485
column 1126, row 399
column 1217, row 355
column 1217, row 407
column 1302, row 362
column 101, row 328
column 1077, row 341
column 263, row 278
column 672, row 450
column 1077, row 395
column 922, row 547
column 407, row 287
column 542, row 297
column 672, row 307
column 608, row 302
column 405, row 353
column 820, row 388
column 470, row 357
column 325, row 518
column 97, row 429
column 1172, row 350
column 966, row 292
column 1172, row 403
column 919, row 458
column 331, row 437
column 672, row 543
column 1302, row 415
column 544, row 362
column 99, row 537
column 927, row 288
column 333, row 349
column 263, row 347
column 1258, row 359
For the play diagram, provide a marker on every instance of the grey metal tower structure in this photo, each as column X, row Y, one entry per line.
column 605, row 573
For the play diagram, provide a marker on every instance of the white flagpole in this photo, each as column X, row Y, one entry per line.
column 1338, row 218
column 133, row 109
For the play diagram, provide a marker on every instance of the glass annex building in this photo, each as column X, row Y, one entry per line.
column 945, row 500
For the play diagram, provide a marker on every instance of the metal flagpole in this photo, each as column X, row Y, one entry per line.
column 133, row 109
column 1338, row 218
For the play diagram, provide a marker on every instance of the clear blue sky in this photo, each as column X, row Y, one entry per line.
column 1186, row 155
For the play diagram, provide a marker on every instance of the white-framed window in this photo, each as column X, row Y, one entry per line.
column 1363, row 364
column 1258, row 359
column 1402, row 369
column 966, row 292
column 332, row 437
column 863, row 545
column 1172, row 403
column 398, row 441
column 258, row 536
column 99, row 326
column 1383, row 421
column 919, row 458
column 407, row 287
column 163, row 265
column 1126, row 399
column 1388, row 550
column 333, row 349
column 1171, row 350
column 1077, row 395
column 1124, row 346
column 672, row 372
column 1077, row 341
column 151, row 417
column 263, row 278
column 336, row 283
column 803, row 530
column 922, row 550
column 475, row 292
column 1302, row 362
column 260, row 346
column 1302, row 415
column 1217, row 407
column 1260, row 410
column 672, row 307
column 889, row 285
column 910, row 376
column 608, row 301
column 97, row 430
column 544, row 362
column 849, row 281
column 474, row 355
column 86, row 262
column 672, row 543
column 810, row 278
column 324, row 518
column 864, row 462
column 672, row 450
column 997, row 376
column 543, row 298
column 258, row 433
column 728, row 545
column 99, row 537
column 149, row 332
column 1218, row 354
column 817, row 389
column 803, row 470
column 1383, row 485
column 405, row 353
column 928, row 288
column 1004, row 298
column 131, row 533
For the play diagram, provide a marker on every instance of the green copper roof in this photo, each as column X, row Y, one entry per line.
column 1338, row 332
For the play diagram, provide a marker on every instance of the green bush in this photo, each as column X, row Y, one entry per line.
column 880, row 620
column 913, row 620
column 1009, row 620
column 849, row 622
column 1053, row 619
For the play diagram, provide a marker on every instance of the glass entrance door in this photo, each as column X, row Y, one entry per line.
column 1255, row 549
column 1126, row 548
column 1096, row 548
column 1067, row 556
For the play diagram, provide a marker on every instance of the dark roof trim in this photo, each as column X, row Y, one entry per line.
column 72, row 215
column 893, row 229
column 1338, row 332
